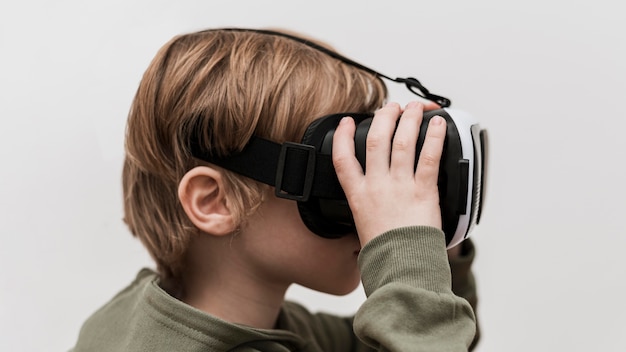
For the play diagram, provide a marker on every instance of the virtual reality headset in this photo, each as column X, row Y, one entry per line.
column 303, row 172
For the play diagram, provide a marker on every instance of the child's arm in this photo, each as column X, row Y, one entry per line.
column 410, row 304
column 333, row 333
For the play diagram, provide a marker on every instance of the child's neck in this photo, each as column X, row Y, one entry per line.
column 225, row 288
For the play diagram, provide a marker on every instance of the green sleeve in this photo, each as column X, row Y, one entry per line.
column 410, row 304
column 332, row 333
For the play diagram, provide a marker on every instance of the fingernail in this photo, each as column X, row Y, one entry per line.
column 344, row 120
column 437, row 120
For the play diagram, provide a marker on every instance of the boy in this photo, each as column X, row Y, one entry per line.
column 227, row 248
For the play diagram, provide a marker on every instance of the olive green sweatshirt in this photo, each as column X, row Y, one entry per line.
column 409, row 307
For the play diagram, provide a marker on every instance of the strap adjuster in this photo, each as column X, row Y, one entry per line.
column 308, row 174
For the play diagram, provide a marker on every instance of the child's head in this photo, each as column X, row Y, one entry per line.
column 231, row 84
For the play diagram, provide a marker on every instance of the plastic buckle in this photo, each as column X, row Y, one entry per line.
column 308, row 176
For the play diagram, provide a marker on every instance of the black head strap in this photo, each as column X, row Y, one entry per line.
column 297, row 171
column 411, row 83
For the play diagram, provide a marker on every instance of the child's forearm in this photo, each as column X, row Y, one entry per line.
column 410, row 303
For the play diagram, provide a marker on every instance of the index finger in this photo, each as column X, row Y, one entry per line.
column 346, row 165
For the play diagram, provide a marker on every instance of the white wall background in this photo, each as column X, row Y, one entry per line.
column 546, row 77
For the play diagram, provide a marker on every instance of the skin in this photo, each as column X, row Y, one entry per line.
column 242, row 278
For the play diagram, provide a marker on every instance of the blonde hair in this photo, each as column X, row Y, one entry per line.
column 231, row 84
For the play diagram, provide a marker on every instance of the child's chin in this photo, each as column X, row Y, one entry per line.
column 344, row 289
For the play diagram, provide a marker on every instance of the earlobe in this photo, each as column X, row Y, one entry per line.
column 201, row 193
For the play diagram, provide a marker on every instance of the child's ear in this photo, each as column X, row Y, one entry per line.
column 202, row 195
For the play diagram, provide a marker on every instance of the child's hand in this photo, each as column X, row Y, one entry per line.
column 391, row 194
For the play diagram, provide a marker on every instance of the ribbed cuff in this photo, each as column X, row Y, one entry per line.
column 414, row 255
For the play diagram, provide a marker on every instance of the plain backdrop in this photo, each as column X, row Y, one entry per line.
column 547, row 78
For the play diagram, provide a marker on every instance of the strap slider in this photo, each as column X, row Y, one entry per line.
column 308, row 174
